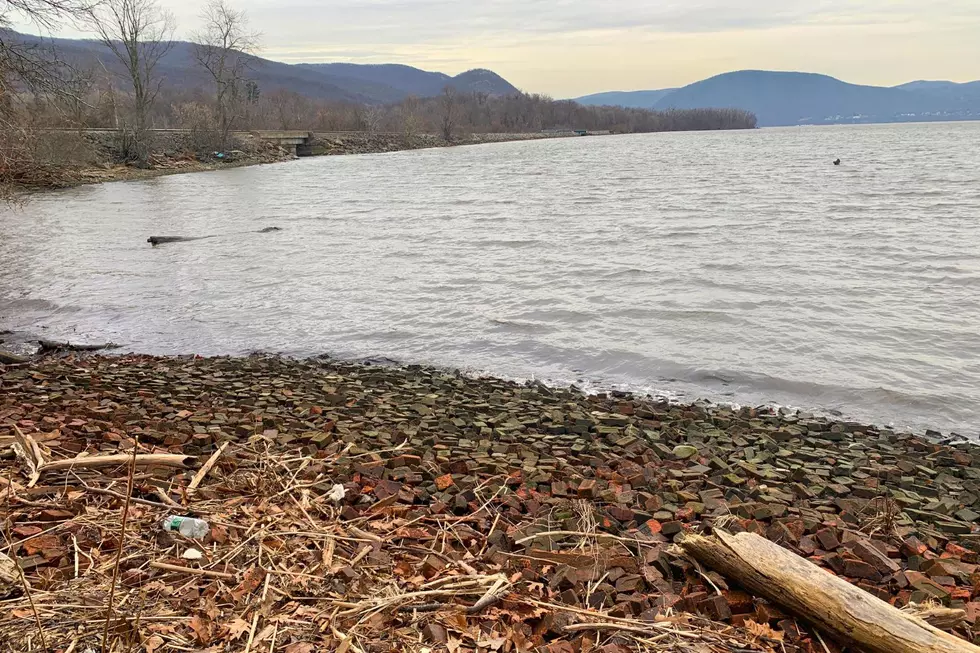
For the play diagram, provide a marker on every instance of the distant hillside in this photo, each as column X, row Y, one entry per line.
column 629, row 99
column 779, row 98
column 787, row 98
column 369, row 84
column 413, row 81
column 970, row 91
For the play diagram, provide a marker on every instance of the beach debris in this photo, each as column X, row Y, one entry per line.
column 186, row 526
column 48, row 346
column 192, row 553
column 476, row 514
column 10, row 584
column 810, row 593
column 337, row 493
column 6, row 358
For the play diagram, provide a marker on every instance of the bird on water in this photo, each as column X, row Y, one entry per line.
column 837, row 162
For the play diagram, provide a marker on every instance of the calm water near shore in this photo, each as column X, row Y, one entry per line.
column 737, row 266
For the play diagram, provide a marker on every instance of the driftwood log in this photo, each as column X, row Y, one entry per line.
column 114, row 460
column 814, row 595
column 6, row 358
column 51, row 345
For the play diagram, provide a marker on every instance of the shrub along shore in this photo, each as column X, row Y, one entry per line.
column 363, row 508
column 94, row 157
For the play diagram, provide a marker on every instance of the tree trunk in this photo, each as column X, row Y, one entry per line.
column 817, row 596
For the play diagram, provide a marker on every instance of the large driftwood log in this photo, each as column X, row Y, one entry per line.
column 51, row 345
column 114, row 460
column 830, row 603
column 6, row 358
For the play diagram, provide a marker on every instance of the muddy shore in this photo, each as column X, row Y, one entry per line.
column 175, row 154
column 474, row 514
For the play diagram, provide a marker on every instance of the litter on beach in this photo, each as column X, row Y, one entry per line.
column 336, row 506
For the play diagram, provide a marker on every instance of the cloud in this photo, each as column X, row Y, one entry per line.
column 404, row 21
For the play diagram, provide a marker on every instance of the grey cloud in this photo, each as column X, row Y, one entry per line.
column 404, row 21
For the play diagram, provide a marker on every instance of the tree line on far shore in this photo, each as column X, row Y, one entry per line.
column 127, row 92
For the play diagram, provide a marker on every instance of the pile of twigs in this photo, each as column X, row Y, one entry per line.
column 289, row 566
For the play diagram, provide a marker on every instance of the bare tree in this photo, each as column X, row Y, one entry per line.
column 450, row 108
column 139, row 33
column 223, row 48
column 410, row 114
column 373, row 116
column 27, row 68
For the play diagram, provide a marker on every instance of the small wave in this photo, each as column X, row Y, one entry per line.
column 557, row 315
column 725, row 267
column 631, row 272
column 699, row 315
column 969, row 282
column 520, row 325
column 829, row 397
column 510, row 244
column 676, row 235
column 15, row 306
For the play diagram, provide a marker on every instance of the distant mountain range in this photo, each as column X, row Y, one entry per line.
column 368, row 84
column 776, row 98
column 788, row 98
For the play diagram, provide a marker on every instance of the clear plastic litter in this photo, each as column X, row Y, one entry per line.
column 186, row 526
column 337, row 493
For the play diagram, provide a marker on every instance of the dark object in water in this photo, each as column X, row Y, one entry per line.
column 159, row 240
column 837, row 162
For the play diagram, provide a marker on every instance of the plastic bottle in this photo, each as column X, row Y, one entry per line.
column 186, row 526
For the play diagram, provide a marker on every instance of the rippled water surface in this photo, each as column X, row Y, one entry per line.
column 737, row 266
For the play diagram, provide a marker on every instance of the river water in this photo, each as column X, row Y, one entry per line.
column 738, row 266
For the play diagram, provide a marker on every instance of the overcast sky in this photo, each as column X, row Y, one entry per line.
column 572, row 47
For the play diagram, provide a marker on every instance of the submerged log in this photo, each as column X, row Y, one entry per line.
column 817, row 596
column 160, row 240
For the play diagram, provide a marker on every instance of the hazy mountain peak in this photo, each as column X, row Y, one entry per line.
column 801, row 98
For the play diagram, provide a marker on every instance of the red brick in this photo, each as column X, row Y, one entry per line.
column 827, row 539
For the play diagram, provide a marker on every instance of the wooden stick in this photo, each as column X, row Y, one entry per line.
column 114, row 460
column 122, row 541
column 360, row 556
column 110, row 493
column 605, row 536
column 367, row 536
column 207, row 467
column 30, row 599
column 32, row 452
column 220, row 575
column 828, row 602
column 574, row 628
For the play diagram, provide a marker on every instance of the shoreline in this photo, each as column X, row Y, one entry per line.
column 24, row 345
column 416, row 450
column 256, row 154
